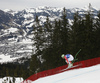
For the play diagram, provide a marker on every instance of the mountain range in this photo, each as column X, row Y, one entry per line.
column 16, row 29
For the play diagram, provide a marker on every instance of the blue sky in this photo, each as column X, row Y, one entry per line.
column 22, row 4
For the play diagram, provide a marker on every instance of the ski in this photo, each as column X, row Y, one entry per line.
column 71, row 67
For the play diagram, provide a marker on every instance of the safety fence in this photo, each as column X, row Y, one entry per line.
column 80, row 64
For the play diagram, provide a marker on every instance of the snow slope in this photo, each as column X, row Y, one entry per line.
column 82, row 75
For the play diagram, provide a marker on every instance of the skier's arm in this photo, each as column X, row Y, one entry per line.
column 66, row 59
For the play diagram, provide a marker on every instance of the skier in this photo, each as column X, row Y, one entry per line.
column 68, row 58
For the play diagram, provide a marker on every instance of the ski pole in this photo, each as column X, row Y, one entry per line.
column 77, row 53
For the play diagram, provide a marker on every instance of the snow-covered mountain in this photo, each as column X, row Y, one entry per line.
column 16, row 29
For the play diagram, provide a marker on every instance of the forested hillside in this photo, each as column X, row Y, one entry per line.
column 59, row 37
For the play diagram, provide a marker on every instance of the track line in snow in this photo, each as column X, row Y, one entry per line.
column 59, row 81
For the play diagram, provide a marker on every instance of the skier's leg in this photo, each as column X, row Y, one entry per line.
column 70, row 64
column 70, row 61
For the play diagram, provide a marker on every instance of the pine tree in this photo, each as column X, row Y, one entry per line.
column 38, row 43
column 7, row 72
column 34, row 64
column 74, row 34
column 47, row 33
column 16, row 72
column 81, row 39
column 59, row 43
column 97, row 36
column 89, row 36
column 37, row 29
column 82, row 35
column 52, row 53
column 64, row 32
column 56, row 38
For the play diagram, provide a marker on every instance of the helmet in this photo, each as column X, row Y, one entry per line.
column 62, row 55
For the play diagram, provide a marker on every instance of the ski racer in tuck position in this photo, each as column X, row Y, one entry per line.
column 68, row 59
